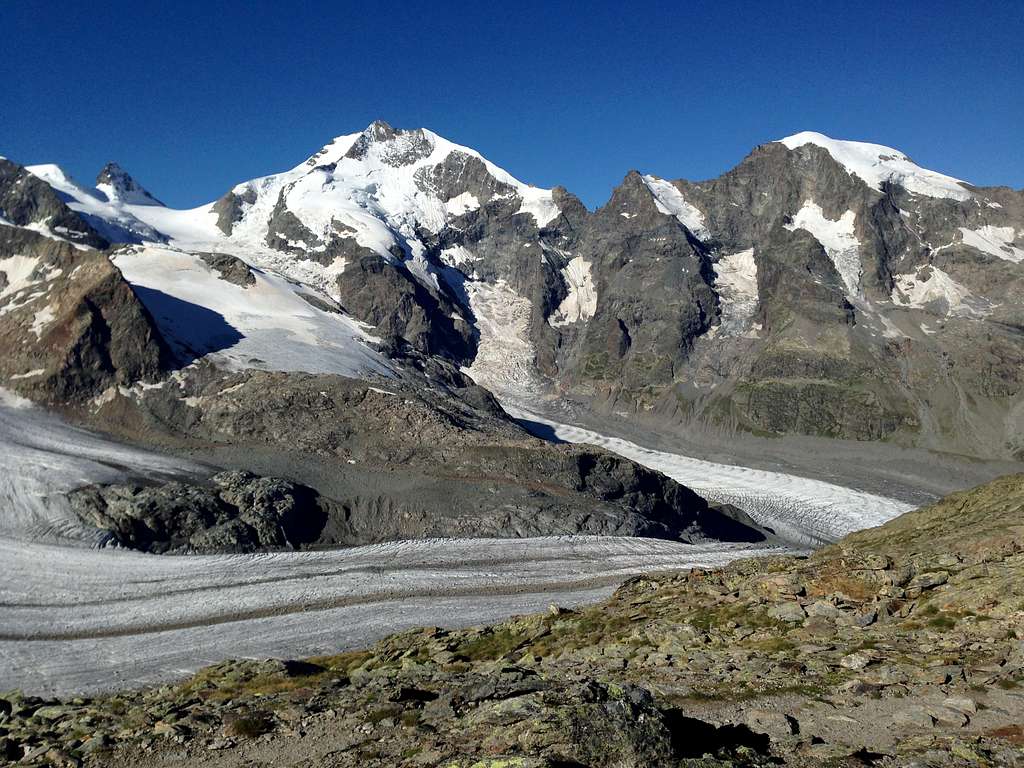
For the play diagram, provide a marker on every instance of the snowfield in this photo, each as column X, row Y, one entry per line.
column 267, row 325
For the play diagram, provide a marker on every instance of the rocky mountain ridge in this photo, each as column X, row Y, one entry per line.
column 820, row 287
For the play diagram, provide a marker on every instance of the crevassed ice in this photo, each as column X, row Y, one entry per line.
column 505, row 357
column 736, row 281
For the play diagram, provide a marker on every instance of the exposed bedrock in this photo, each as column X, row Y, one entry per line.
column 388, row 461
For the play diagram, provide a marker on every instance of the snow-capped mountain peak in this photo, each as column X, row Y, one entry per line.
column 378, row 189
column 115, row 182
column 102, row 208
column 876, row 164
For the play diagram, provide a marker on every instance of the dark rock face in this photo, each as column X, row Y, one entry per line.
column 387, row 296
column 785, row 258
column 231, row 268
column 238, row 513
column 653, row 294
column 76, row 327
column 26, row 199
column 124, row 186
column 831, row 364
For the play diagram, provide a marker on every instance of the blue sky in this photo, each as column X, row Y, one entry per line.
column 194, row 97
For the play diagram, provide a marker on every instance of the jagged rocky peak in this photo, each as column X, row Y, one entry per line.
column 118, row 185
column 381, row 130
column 392, row 146
column 29, row 200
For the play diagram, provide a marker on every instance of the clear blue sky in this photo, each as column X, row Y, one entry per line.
column 194, row 97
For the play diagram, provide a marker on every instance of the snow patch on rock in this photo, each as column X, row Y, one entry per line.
column 19, row 271
column 580, row 303
column 41, row 319
column 876, row 164
column 670, row 201
column 458, row 256
column 996, row 241
column 932, row 289
column 29, row 374
column 461, row 204
column 836, row 237
column 736, row 282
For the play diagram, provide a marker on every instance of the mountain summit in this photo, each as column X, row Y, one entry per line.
column 115, row 182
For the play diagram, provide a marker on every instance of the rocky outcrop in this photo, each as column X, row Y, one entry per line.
column 70, row 324
column 238, row 512
column 230, row 208
column 231, row 268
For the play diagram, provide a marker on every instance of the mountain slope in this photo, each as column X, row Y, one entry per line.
column 70, row 325
column 200, row 352
column 821, row 287
column 869, row 328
